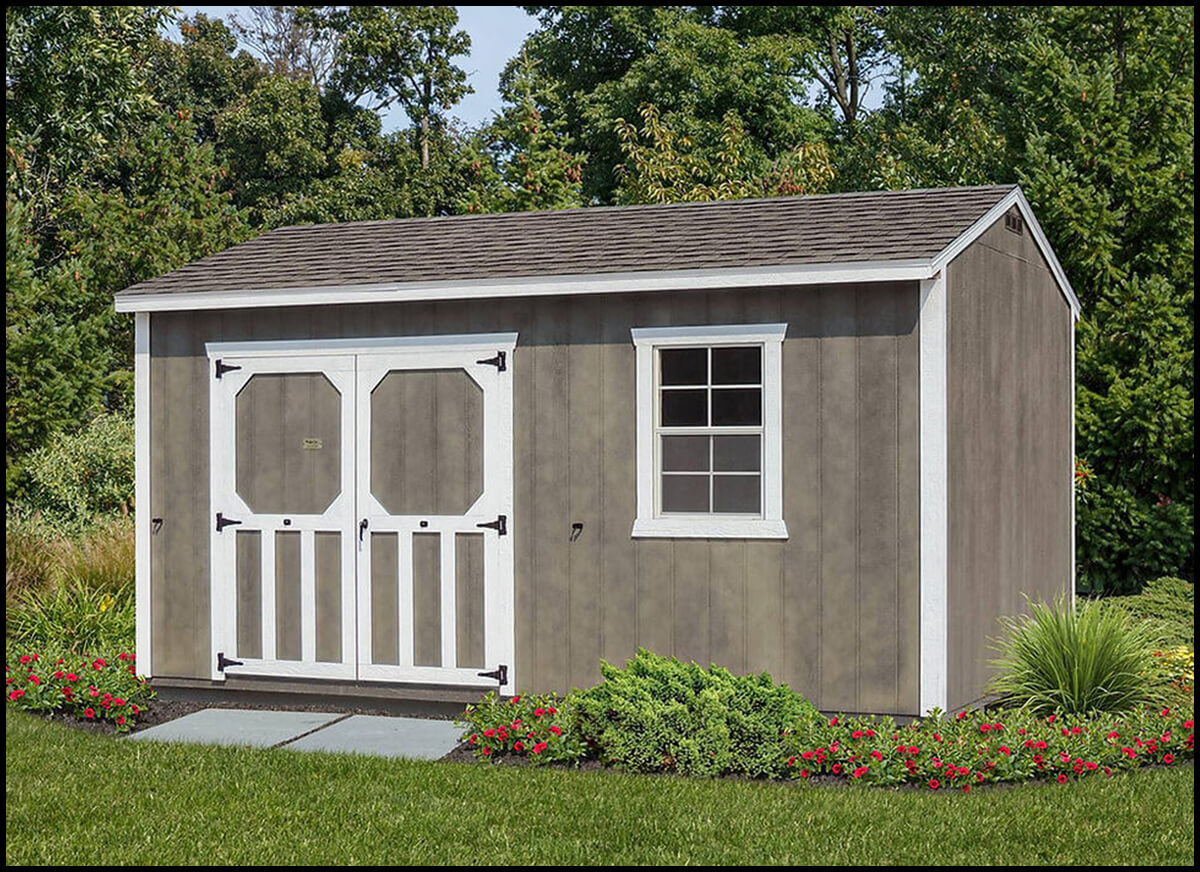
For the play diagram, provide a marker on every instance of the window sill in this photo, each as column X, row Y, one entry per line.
column 708, row 528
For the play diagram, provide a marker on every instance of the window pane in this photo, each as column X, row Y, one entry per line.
column 684, row 408
column 685, row 493
column 737, row 494
column 736, row 453
column 737, row 407
column 685, row 453
column 737, row 366
column 683, row 366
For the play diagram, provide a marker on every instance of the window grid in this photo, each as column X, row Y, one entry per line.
column 709, row 430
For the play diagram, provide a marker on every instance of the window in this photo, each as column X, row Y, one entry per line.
column 709, row 431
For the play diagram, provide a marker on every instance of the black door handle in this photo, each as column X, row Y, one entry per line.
column 362, row 529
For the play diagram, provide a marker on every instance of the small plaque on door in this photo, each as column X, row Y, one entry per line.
column 313, row 444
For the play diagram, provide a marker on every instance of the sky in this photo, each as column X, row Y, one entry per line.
column 496, row 34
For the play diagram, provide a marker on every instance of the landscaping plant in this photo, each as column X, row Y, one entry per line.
column 659, row 714
column 1168, row 605
column 1079, row 658
column 97, row 689
column 534, row 727
column 71, row 616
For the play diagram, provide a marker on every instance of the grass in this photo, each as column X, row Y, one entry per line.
column 72, row 796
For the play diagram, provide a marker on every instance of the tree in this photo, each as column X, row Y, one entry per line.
column 525, row 162
column 402, row 55
column 291, row 41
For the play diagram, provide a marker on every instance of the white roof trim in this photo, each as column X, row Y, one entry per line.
column 1015, row 197
column 608, row 283
column 535, row 286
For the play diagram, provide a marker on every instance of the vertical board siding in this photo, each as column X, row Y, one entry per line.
column 427, row 599
column 329, row 581
column 249, row 593
column 469, row 599
column 831, row 611
column 1009, row 445
column 287, row 596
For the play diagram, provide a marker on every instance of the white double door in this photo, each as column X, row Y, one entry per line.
column 362, row 509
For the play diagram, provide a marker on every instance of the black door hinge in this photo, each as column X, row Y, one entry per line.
column 500, row 525
column 500, row 361
column 223, row 367
column 223, row 661
column 500, row 674
column 223, row 522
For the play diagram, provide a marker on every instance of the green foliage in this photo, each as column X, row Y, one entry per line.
column 90, row 688
column 663, row 167
column 72, row 616
column 525, row 161
column 28, row 560
column 537, row 728
column 1167, row 605
column 661, row 715
column 88, row 473
column 1075, row 659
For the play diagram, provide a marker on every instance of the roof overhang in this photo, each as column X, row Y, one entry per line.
column 606, row 283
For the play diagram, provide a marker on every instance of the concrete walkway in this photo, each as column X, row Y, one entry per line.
column 414, row 738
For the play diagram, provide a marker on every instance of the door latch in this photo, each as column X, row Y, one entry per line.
column 500, row 361
column 223, row 522
column 499, row 674
column 362, row 529
column 500, row 525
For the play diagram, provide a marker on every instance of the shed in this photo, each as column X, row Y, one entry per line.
column 828, row 437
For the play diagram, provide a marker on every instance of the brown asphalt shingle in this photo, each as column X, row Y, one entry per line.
column 782, row 231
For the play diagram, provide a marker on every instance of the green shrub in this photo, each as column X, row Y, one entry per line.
column 1076, row 659
column 661, row 715
column 536, row 727
column 101, row 558
column 29, row 557
column 70, row 616
column 91, row 688
column 1168, row 605
column 81, row 476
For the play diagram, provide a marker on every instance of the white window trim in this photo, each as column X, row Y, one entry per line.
column 771, row 525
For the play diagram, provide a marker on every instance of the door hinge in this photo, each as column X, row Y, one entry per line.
column 223, row 522
column 500, row 525
column 500, row 674
column 223, row 367
column 223, row 661
column 500, row 361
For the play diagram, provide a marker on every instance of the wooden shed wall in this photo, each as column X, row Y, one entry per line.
column 1009, row 393
column 833, row 610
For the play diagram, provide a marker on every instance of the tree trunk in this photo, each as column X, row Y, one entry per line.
column 425, row 140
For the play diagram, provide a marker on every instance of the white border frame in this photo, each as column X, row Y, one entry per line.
column 917, row 269
column 771, row 525
column 142, row 510
column 933, row 338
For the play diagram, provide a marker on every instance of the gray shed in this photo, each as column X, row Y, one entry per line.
column 828, row 437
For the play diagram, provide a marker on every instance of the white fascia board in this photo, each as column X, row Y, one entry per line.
column 539, row 286
column 1015, row 197
column 287, row 348
column 142, row 510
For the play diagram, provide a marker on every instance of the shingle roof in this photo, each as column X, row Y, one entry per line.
column 781, row 231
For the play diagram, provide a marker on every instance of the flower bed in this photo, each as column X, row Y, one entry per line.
column 96, row 689
column 534, row 727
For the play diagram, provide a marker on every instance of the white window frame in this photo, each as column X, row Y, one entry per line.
column 650, row 523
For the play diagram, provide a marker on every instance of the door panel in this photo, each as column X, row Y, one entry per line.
column 369, row 493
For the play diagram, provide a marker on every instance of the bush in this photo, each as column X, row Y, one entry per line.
column 79, row 477
column 661, row 715
column 1168, row 605
column 71, row 616
column 1075, row 660
column 537, row 727
column 29, row 559
column 989, row 747
column 101, row 689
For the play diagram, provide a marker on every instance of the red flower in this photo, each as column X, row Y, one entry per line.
column 474, row 738
column 514, row 700
column 837, row 768
column 552, row 710
column 934, row 784
column 487, row 752
column 89, row 712
column 1090, row 766
column 1051, row 719
column 489, row 733
column 791, row 761
column 1187, row 725
column 937, row 737
column 539, row 747
column 870, row 733
column 35, row 680
column 1004, row 749
column 803, row 773
column 998, row 727
column 119, row 701
column 914, row 750
column 556, row 730
column 860, row 771
column 857, row 734
column 1168, row 759
column 1108, row 772
column 60, row 674
column 833, row 722
column 519, row 747
column 92, row 691
column 985, row 728
column 25, row 659
column 16, row 695
column 961, row 715
column 121, row 720
column 878, row 755
column 1113, row 735
column 966, row 788
column 1075, row 731
column 807, row 755
column 1062, row 778
column 538, row 712
column 98, row 663
column 135, row 709
column 1165, row 713
column 71, row 676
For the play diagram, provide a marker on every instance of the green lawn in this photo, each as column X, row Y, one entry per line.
column 74, row 798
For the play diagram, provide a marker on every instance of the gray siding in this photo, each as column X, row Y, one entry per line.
column 1009, row 393
column 832, row 611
